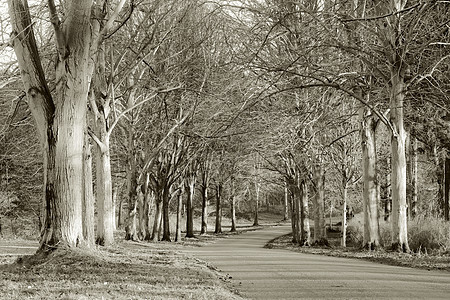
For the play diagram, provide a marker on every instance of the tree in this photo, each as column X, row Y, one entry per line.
column 60, row 115
column 370, row 183
column 189, row 184
column 205, row 170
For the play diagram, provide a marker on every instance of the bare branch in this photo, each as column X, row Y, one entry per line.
column 383, row 16
column 113, row 18
column 139, row 104
column 56, row 22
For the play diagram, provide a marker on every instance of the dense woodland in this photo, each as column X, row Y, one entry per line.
column 131, row 116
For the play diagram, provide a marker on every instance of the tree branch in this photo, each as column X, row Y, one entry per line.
column 383, row 16
column 139, row 104
column 56, row 22
column 113, row 18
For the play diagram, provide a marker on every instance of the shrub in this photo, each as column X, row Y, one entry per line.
column 355, row 230
column 385, row 234
column 424, row 234
column 428, row 234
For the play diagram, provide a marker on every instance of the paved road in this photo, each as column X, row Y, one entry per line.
column 260, row 273
column 17, row 247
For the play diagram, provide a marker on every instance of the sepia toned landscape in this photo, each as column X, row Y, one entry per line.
column 248, row 149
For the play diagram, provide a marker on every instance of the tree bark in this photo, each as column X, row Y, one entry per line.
column 446, row 188
column 166, row 219
column 440, row 182
column 398, row 177
column 105, row 212
column 414, row 175
column 233, row 206
column 319, row 210
column 218, row 227
column 114, row 205
column 371, row 238
column 388, row 193
column 141, row 231
column 304, row 215
column 205, row 167
column 131, row 220
column 189, row 186
column 296, row 198
column 120, row 213
column 257, row 189
column 88, row 200
column 99, row 108
column 179, row 211
column 205, row 203
column 286, row 203
column 344, row 215
column 149, row 200
column 157, row 220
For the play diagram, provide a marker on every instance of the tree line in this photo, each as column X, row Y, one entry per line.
column 136, row 103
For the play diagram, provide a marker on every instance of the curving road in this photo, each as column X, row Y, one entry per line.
column 259, row 273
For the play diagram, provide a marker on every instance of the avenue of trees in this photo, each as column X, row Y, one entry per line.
column 136, row 115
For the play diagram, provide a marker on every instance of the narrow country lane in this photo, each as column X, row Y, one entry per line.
column 259, row 273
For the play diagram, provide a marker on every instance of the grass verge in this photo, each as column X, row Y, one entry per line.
column 127, row 271
column 413, row 260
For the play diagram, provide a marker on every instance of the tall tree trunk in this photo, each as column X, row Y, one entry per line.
column 286, row 203
column 141, row 212
column 88, row 200
column 439, row 176
column 157, row 220
column 179, row 211
column 120, row 214
column 130, row 223
column 388, row 192
column 166, row 219
column 295, row 219
column 446, row 187
column 292, row 210
column 398, row 177
column 257, row 189
column 319, row 205
column 233, row 206
column 189, row 186
column 149, row 199
column 344, row 214
column 114, row 206
column 414, row 175
column 205, row 167
column 370, row 185
column 132, row 218
column 330, row 215
column 218, row 227
column 304, row 215
column 99, row 104
column 205, row 203
column 233, row 213
column 105, row 212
